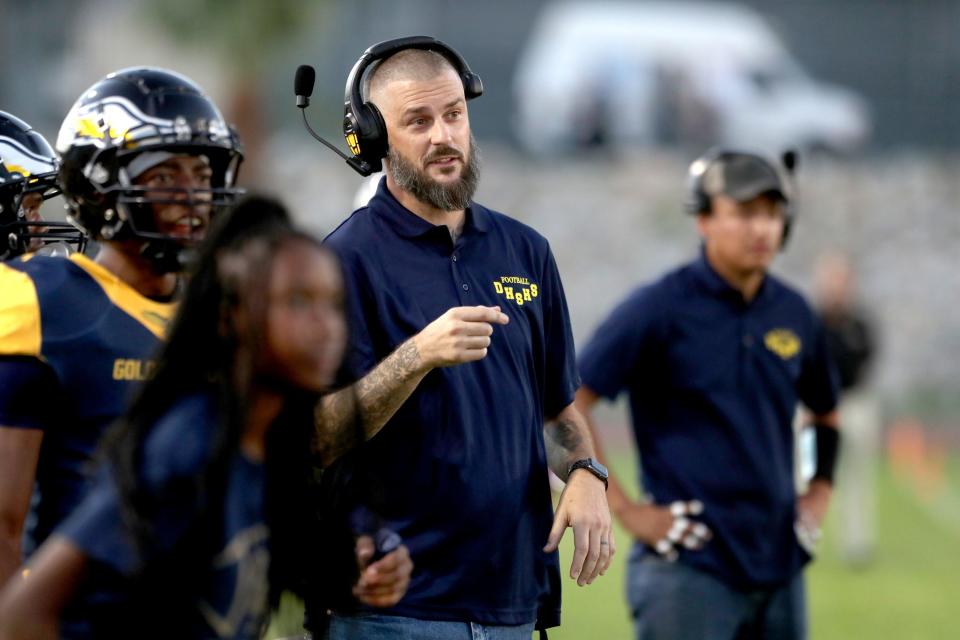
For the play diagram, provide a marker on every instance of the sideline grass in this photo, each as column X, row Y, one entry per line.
column 912, row 589
column 910, row 592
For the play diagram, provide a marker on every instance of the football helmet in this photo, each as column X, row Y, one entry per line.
column 28, row 165
column 125, row 123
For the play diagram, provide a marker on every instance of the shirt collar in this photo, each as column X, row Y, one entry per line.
column 707, row 277
column 409, row 225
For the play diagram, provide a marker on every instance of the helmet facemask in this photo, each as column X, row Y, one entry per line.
column 140, row 208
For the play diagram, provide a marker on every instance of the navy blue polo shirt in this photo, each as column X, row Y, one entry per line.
column 713, row 384
column 462, row 464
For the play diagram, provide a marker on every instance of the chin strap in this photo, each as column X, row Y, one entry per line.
column 166, row 256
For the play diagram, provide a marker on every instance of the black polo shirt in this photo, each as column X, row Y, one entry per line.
column 462, row 464
column 713, row 385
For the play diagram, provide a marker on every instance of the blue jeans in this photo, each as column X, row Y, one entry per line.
column 672, row 601
column 380, row 627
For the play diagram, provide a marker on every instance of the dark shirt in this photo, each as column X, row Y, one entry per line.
column 75, row 342
column 208, row 559
column 850, row 340
column 713, row 384
column 462, row 465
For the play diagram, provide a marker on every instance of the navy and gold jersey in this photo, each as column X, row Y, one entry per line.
column 75, row 341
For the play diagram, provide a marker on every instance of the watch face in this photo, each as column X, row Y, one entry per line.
column 598, row 468
column 593, row 466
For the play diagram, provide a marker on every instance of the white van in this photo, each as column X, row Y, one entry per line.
column 659, row 73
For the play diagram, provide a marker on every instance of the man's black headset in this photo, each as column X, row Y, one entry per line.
column 698, row 200
column 363, row 125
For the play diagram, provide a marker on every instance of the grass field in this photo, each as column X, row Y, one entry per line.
column 910, row 592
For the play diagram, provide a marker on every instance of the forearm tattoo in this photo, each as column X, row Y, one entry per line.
column 564, row 442
column 381, row 392
column 352, row 415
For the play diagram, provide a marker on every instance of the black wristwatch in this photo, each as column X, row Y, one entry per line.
column 593, row 466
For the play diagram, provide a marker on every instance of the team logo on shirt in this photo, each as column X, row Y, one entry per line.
column 783, row 342
column 516, row 289
column 240, row 569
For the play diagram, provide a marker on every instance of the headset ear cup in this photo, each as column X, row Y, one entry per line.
column 374, row 136
column 378, row 131
column 703, row 203
column 472, row 85
column 787, row 224
column 369, row 134
column 697, row 201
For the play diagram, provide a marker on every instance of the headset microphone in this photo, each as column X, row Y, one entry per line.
column 303, row 88
column 303, row 84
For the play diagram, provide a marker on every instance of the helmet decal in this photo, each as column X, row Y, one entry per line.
column 116, row 121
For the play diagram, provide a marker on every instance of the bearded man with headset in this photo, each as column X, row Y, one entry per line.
column 463, row 365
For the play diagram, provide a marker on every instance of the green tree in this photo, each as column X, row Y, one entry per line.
column 244, row 35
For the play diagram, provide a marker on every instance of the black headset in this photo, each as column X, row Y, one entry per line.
column 363, row 125
column 698, row 200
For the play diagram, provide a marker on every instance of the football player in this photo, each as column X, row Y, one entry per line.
column 28, row 172
column 146, row 159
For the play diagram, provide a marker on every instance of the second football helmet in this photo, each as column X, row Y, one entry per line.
column 28, row 165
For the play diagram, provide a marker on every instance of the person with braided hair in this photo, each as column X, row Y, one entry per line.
column 197, row 521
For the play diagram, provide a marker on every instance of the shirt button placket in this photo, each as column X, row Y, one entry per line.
column 746, row 353
column 458, row 277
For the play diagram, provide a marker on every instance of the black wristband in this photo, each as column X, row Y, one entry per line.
column 828, row 446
